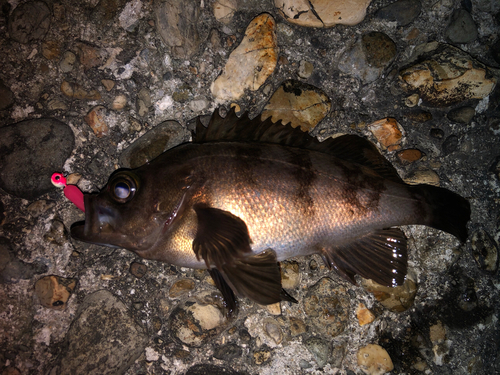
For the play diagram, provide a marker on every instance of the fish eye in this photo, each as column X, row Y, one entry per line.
column 122, row 188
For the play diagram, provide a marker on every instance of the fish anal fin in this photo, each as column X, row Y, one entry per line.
column 221, row 237
column 227, row 292
column 257, row 277
column 380, row 256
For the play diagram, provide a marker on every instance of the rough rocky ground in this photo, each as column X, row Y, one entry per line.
column 93, row 77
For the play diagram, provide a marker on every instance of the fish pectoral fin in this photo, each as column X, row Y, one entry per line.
column 380, row 256
column 221, row 237
column 227, row 292
column 257, row 277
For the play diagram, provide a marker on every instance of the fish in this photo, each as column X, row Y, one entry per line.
column 246, row 194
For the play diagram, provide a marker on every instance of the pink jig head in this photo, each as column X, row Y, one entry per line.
column 71, row 192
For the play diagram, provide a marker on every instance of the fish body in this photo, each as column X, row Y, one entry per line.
column 237, row 202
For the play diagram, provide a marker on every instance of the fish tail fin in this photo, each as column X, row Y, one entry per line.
column 446, row 210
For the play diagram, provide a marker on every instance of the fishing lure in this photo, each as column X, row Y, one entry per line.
column 72, row 192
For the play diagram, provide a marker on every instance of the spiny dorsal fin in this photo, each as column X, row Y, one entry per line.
column 349, row 147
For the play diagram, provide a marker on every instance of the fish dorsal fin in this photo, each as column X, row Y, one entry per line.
column 349, row 147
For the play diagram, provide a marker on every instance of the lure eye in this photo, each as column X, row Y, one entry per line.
column 122, row 188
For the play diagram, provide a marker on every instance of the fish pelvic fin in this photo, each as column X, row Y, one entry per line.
column 223, row 242
column 380, row 256
column 444, row 210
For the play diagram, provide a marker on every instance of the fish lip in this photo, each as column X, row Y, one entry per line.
column 79, row 230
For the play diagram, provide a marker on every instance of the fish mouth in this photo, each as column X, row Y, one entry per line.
column 100, row 226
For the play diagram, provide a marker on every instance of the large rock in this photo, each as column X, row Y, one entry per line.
column 322, row 13
column 176, row 22
column 251, row 63
column 103, row 338
column 445, row 75
column 29, row 22
column 30, row 151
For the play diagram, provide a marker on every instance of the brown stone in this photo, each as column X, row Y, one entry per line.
column 387, row 133
column 51, row 50
column 138, row 269
column 53, row 292
column 251, row 63
column 181, row 287
column 396, row 299
column 364, row 315
column 75, row 91
column 96, row 119
column 374, row 360
column 409, row 155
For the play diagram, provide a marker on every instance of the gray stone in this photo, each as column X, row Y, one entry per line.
column 67, row 62
column 462, row 28
column 12, row 269
column 6, row 97
column 320, row 349
column 228, row 352
column 156, row 141
column 30, row 151
column 368, row 58
column 29, row 21
column 176, row 22
column 403, row 11
column 485, row 251
column 462, row 115
column 103, row 338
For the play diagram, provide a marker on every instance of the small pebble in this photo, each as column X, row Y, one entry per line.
column 437, row 133
column 462, row 28
column 396, row 299
column 53, row 292
column 138, row 269
column 96, row 119
column 290, row 275
column 462, row 115
column 262, row 356
column 320, row 349
column 119, row 102
column 374, row 360
column 428, row 177
column 409, row 155
column 297, row 326
column 75, row 91
column 484, row 250
column 67, row 62
column 305, row 69
column 450, row 144
column 412, row 100
column 273, row 330
column 364, row 315
column 181, row 287
column 388, row 133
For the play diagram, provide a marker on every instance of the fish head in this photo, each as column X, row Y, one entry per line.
column 131, row 211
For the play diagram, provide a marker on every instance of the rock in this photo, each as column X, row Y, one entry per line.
column 176, row 22
column 374, row 360
column 462, row 28
column 13, row 269
column 29, row 22
column 290, row 275
column 419, row 116
column 409, row 155
column 262, row 356
column 181, row 287
column 396, row 299
column 320, row 349
column 403, row 12
column 193, row 323
column 75, row 91
column 369, row 56
column 56, row 105
column 224, row 10
column 6, row 97
column 322, row 13
column 388, row 133
column 251, row 63
column 67, row 62
column 228, row 352
column 119, row 102
column 143, row 102
column 156, row 141
column 96, row 119
column 327, row 307
column 462, row 115
column 297, row 326
column 57, row 233
column 138, row 269
column 297, row 103
column 412, row 100
column 428, row 177
column 40, row 206
column 30, row 151
column 305, row 69
column 273, row 330
column 130, row 15
column 51, row 50
column 108, row 84
column 53, row 292
column 207, row 369
column 274, row 308
column 90, row 56
column 484, row 250
column 437, row 133
column 437, row 333
column 103, row 338
column 445, row 75
column 364, row 315
column 450, row 144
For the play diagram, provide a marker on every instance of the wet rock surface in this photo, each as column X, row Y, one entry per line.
column 90, row 87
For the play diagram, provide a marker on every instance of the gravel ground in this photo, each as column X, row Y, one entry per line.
column 83, row 81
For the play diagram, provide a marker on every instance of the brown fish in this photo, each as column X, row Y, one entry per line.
column 247, row 194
